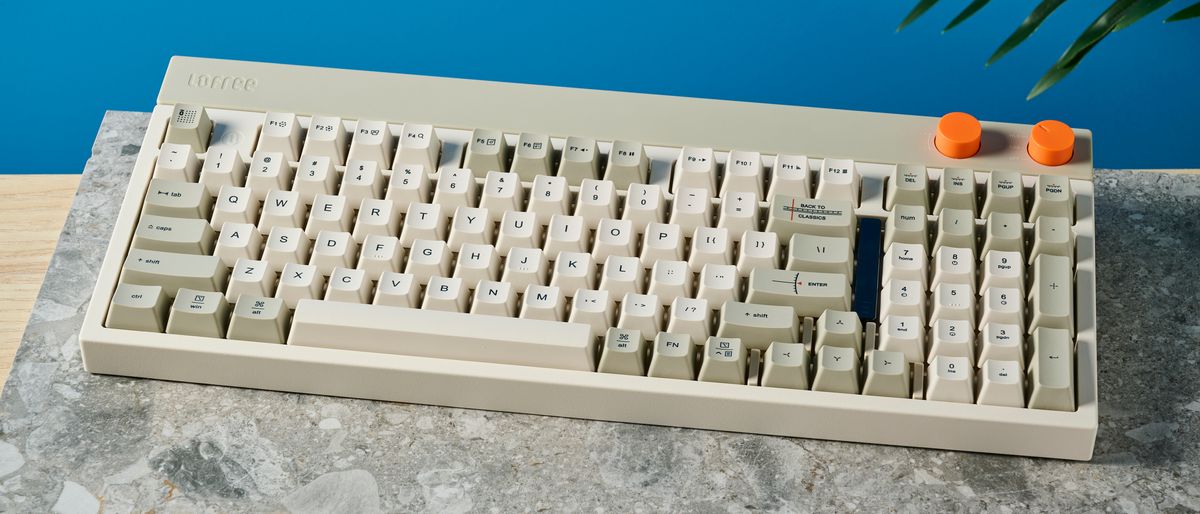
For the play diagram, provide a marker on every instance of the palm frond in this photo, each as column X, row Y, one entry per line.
column 1187, row 13
column 971, row 9
column 916, row 12
column 1105, row 24
column 1137, row 12
column 1027, row 27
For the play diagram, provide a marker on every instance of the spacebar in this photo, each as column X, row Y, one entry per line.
column 444, row 335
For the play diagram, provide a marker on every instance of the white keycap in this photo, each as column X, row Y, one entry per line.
column 285, row 245
column 903, row 334
column 176, row 162
column 905, row 262
column 627, row 164
column 198, row 313
column 1002, row 305
column 836, row 370
column 952, row 338
column 380, row 254
column 372, row 141
column 695, row 168
column 902, row 298
column 670, row 279
column 408, row 184
column 525, row 266
column 1004, row 232
column 427, row 259
column 477, row 262
column 710, row 246
column 908, row 185
column 1001, row 342
column 333, row 249
column 955, row 227
column 662, row 242
column 724, row 361
column 1002, row 269
column 573, row 271
column 543, row 302
column 281, row 209
column 839, row 328
column 259, row 319
column 952, row 301
column 790, row 177
column 238, row 241
column 743, row 174
column 397, row 290
column 327, row 138
column 234, row 205
column 494, row 299
column 455, row 188
column 423, row 221
column 641, row 312
column 533, row 156
column 329, row 213
column 593, row 308
column 1052, row 236
column 173, row 271
column 518, row 230
column 315, row 176
column 624, row 352
column 820, row 254
column 809, row 293
column 692, row 209
column 614, row 237
column 1001, row 383
column 1051, row 372
column 249, row 277
column 644, row 205
column 280, row 133
column 1005, row 193
column 950, row 379
column 692, row 317
column 566, row 234
column 720, row 283
column 223, row 166
column 419, row 145
column 953, row 266
column 739, row 212
column 580, row 160
column 839, row 181
column 189, row 125
column 757, row 250
column 177, row 199
column 786, row 366
column 502, row 192
column 179, row 235
column 907, row 224
column 1052, row 197
column 673, row 356
column 549, row 197
column 956, row 190
column 622, row 275
column 791, row 215
column 1050, row 295
column 758, row 325
column 376, row 217
column 486, row 151
column 136, row 307
column 445, row 294
column 470, row 225
column 348, row 285
column 887, row 375
column 362, row 180
column 597, row 200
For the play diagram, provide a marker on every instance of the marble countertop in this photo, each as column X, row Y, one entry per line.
column 73, row 442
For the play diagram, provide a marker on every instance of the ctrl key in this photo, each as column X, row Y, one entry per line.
column 135, row 307
column 199, row 313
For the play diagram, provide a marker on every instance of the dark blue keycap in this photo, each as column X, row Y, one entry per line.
column 869, row 269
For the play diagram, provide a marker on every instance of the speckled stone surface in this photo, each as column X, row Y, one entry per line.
column 73, row 442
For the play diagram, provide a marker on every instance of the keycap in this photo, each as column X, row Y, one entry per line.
column 597, row 200
column 189, row 125
column 724, row 361
column 326, row 138
column 719, row 283
column 662, row 241
column 757, row 250
column 808, row 293
column 444, row 294
column 519, row 230
column 710, row 246
column 1001, row 341
column 743, row 174
column 372, row 141
column 566, row 234
column 692, row 209
column 670, row 279
column 177, row 199
column 532, row 156
column 223, row 166
column 138, row 307
column 904, row 335
column 418, row 145
column 1052, row 197
column 315, row 177
column 820, row 254
column 470, row 225
column 349, row 285
column 178, row 235
column 257, row 318
column 695, row 168
column 1005, row 193
column 907, row 224
column 572, row 271
column 621, row 275
column 790, row 177
column 908, row 185
column 905, row 262
column 692, row 317
column 951, row 379
column 1050, row 296
column 176, row 162
column 548, row 198
column 280, row 133
column 644, row 204
column 902, row 298
column 422, row 221
column 955, row 227
column 1001, row 383
column 428, row 259
column 953, row 266
column 1002, row 269
column 952, row 338
column 525, row 266
column 623, row 352
column 494, row 299
column 478, row 262
column 330, row 213
column 198, row 313
column 455, row 188
column 487, row 151
column 301, row 281
column 627, row 164
column 283, row 245
column 757, row 326
column 249, row 277
column 502, row 192
column 1052, row 236
column 887, row 375
column 580, row 160
column 1002, row 305
column 444, row 335
column 868, row 269
column 642, row 312
column 837, row 370
column 839, row 328
column 234, row 205
column 952, row 301
column 397, row 290
column 1004, row 232
column 956, row 190
column 173, row 271
column 333, row 249
column 281, row 209
column 240, row 241
column 593, row 308
column 362, row 180
column 408, row 184
column 673, row 356
column 1051, row 373
column 793, row 215
column 382, row 218
column 786, row 366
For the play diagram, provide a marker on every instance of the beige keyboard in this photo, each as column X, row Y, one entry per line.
column 614, row 256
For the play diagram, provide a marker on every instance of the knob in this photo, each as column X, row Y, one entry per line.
column 1051, row 142
column 957, row 135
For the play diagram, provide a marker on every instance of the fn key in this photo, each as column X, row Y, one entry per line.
column 867, row 270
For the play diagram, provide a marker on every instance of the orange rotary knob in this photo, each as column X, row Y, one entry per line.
column 957, row 135
column 1051, row 142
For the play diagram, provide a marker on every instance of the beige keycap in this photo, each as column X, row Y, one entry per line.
column 176, row 162
column 284, row 245
column 332, row 250
column 622, row 275
column 793, row 215
column 614, row 237
column 695, row 168
column 908, row 185
column 905, row 335
column 808, row 293
column 642, row 312
column 724, row 361
column 470, row 225
column 580, row 160
column 423, row 221
column 624, row 352
column 692, row 209
column 759, row 325
column 593, row 308
column 486, row 151
column 1052, row 197
column 907, row 224
column 1004, row 232
column 494, row 299
column 518, row 230
column 953, row 301
column 573, row 271
column 790, row 177
column 502, row 193
column 376, row 217
column 719, row 283
column 839, row 328
column 953, row 266
column 315, row 176
column 418, row 145
column 955, row 227
column 239, row 241
column 904, row 261
column 1002, row 269
column 839, row 181
column 281, row 209
column 709, row 246
column 1003, row 305
column 1005, row 193
column 223, row 166
column 177, row 199
column 786, row 366
column 249, row 277
column 757, row 250
column 956, row 190
column 199, row 313
column 326, row 138
column 902, row 298
column 743, row 174
column 543, row 302
column 1052, row 236
column 662, row 241
column 690, row 316
column 137, row 307
column 280, row 133
column 548, row 198
column 409, row 184
column 1050, row 296
column 299, row 282
column 234, row 205
column 525, row 266
column 533, row 156
column 566, row 234
column 329, row 214
column 477, row 262
column 455, row 188
column 887, row 375
column 178, row 235
column 268, row 171
column 445, row 294
column 397, row 290
column 952, row 338
column 820, row 254
column 644, row 204
column 372, row 141
column 362, row 180
column 837, row 370
column 670, row 279
column 739, row 212
column 1051, row 372
column 173, row 271
column 259, row 319
column 950, row 379
column 1003, row 342
column 348, row 285
column 189, row 125
column 673, row 356
column 428, row 259
column 1001, row 383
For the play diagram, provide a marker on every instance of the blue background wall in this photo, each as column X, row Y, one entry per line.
column 65, row 65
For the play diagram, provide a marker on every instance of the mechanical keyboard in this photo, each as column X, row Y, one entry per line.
column 685, row 262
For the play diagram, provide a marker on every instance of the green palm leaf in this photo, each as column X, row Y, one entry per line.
column 1031, row 23
column 1186, row 13
column 916, row 12
column 1118, row 15
column 1137, row 12
column 971, row 9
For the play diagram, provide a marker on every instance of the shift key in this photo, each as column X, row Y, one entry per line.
column 172, row 271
